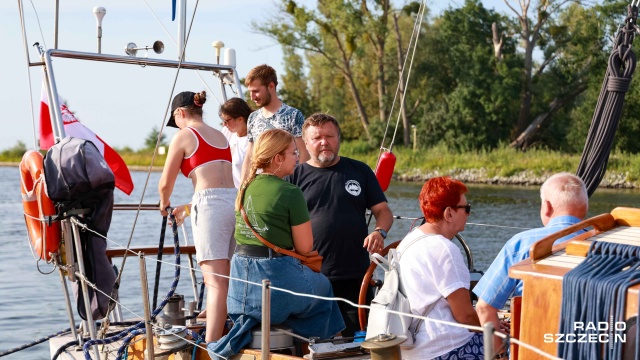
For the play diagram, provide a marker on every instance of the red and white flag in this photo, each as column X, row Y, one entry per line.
column 73, row 127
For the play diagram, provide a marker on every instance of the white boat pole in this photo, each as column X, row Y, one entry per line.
column 55, row 25
column 238, row 85
column 487, row 332
column 99, row 12
column 91, row 325
column 67, row 302
column 146, row 305
column 54, row 101
column 24, row 33
column 182, row 27
column 266, row 317
column 218, row 45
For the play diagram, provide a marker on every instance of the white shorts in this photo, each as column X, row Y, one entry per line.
column 213, row 222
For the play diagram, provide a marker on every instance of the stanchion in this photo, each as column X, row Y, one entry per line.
column 192, row 271
column 266, row 318
column 145, row 304
column 91, row 325
column 487, row 332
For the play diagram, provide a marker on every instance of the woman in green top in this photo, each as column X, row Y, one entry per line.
column 277, row 210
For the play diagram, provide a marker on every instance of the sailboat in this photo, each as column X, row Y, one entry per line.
column 170, row 340
column 168, row 329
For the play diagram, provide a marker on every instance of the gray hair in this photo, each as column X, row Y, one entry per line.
column 565, row 191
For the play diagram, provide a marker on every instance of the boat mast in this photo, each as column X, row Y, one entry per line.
column 182, row 27
column 55, row 25
column 26, row 53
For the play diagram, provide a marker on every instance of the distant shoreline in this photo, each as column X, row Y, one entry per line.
column 611, row 180
column 131, row 167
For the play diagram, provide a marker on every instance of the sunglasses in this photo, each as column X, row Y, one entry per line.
column 467, row 208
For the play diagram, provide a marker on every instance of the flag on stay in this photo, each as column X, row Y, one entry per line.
column 73, row 127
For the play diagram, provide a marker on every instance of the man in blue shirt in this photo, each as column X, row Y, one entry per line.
column 564, row 202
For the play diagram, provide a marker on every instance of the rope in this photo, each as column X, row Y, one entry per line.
column 201, row 297
column 64, row 347
column 156, row 283
column 604, row 123
column 33, row 118
column 35, row 342
column 138, row 326
column 153, row 157
column 413, row 54
column 38, row 20
column 594, row 292
column 416, row 33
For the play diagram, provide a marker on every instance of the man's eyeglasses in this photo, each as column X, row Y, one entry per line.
column 467, row 208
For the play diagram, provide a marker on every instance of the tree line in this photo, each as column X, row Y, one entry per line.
column 480, row 79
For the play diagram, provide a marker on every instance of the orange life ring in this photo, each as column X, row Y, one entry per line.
column 45, row 236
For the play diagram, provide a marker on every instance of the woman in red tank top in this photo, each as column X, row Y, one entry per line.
column 202, row 154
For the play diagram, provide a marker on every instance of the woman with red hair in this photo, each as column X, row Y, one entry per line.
column 435, row 277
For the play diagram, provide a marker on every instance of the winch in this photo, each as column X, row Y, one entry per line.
column 173, row 312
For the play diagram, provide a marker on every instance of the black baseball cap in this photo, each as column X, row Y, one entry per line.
column 183, row 99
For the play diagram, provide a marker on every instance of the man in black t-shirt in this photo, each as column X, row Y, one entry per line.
column 338, row 191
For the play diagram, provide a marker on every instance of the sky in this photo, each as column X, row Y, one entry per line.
column 122, row 103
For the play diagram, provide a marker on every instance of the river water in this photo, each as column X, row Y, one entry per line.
column 32, row 304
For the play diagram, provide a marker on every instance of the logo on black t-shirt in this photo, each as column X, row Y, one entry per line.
column 353, row 187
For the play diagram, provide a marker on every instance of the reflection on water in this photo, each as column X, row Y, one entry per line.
column 32, row 304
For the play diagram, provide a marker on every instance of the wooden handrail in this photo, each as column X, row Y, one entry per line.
column 184, row 249
column 626, row 216
column 542, row 248
column 620, row 216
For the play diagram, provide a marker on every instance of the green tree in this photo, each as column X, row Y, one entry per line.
column 554, row 34
column 469, row 93
column 578, row 37
column 154, row 138
column 333, row 30
column 15, row 152
column 295, row 88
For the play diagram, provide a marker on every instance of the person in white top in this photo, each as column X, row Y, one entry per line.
column 433, row 271
column 234, row 114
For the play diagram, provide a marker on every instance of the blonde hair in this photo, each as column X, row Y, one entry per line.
column 269, row 144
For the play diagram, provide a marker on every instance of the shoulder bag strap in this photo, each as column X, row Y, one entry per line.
column 266, row 242
column 413, row 328
column 414, row 241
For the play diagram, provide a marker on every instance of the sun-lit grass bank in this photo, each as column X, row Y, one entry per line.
column 502, row 165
